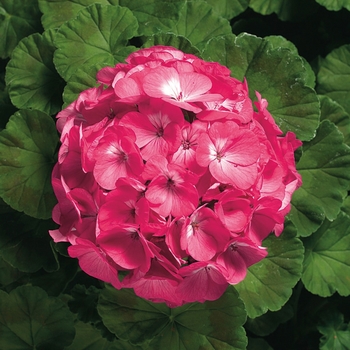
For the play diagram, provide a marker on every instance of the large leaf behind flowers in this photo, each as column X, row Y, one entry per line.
column 99, row 33
column 29, row 319
column 269, row 283
column 279, row 75
column 327, row 262
column 31, row 76
column 325, row 170
column 27, row 155
column 211, row 325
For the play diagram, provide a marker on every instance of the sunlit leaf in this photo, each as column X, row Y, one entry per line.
column 325, row 170
column 279, row 75
column 211, row 325
column 335, row 5
column 27, row 155
column 269, row 283
column 327, row 264
column 29, row 319
column 334, row 112
column 99, row 33
column 333, row 77
column 56, row 12
column 31, row 75
column 18, row 19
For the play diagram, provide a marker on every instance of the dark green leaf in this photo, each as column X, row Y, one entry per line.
column 333, row 77
column 31, row 76
column 334, row 112
column 87, row 337
column 268, row 284
column 18, row 19
column 268, row 323
column 211, row 325
column 29, row 319
column 336, row 334
column 56, row 12
column 229, row 8
column 6, row 107
column 324, row 167
column 25, row 243
column 279, row 75
column 98, row 34
column 8, row 274
column 27, row 155
column 327, row 264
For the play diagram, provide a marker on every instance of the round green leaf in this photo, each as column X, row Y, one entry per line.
column 99, row 33
column 334, row 112
column 154, row 16
column 29, row 319
column 57, row 12
column 326, row 263
column 268, row 284
column 278, row 74
column 228, row 8
column 18, row 19
column 6, row 107
column 211, row 325
column 27, row 156
column 8, row 274
column 81, row 80
column 333, row 77
column 324, row 167
column 31, row 76
column 258, row 344
column 335, row 5
column 199, row 23
column 168, row 39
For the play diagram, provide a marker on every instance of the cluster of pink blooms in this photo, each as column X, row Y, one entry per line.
column 169, row 177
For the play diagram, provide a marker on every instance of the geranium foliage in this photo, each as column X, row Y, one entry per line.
column 174, row 174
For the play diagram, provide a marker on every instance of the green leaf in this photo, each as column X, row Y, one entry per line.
column 27, row 149
column 211, row 325
column 268, row 323
column 286, row 10
column 324, row 167
column 335, row 5
column 29, row 319
column 31, row 76
column 154, row 16
column 268, row 284
column 168, row 39
column 87, row 337
column 336, row 333
column 228, row 8
column 333, row 77
column 25, row 242
column 278, row 74
column 56, row 12
column 8, row 274
column 326, row 263
column 81, row 80
column 98, row 34
column 6, row 107
column 18, row 19
column 199, row 23
column 334, row 112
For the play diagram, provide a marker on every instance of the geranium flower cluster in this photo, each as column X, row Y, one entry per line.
column 168, row 176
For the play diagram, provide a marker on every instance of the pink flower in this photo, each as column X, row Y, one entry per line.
column 231, row 154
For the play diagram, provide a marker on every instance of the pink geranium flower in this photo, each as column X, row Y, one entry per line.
column 231, row 154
